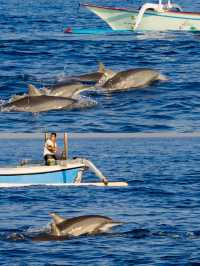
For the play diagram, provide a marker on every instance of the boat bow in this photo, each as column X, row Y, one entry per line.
column 150, row 17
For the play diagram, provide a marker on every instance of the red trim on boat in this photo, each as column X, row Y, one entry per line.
column 125, row 9
column 106, row 7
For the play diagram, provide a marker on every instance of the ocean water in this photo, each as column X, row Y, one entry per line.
column 160, row 207
column 34, row 49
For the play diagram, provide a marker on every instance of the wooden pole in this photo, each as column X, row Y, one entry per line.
column 65, row 150
column 45, row 136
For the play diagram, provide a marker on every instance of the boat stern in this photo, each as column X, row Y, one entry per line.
column 116, row 18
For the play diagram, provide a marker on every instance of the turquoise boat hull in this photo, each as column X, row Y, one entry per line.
column 65, row 176
column 40, row 175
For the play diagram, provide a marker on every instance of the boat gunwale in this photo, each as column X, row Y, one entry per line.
column 38, row 173
column 136, row 10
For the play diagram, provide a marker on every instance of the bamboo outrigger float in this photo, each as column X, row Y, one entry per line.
column 66, row 172
column 150, row 17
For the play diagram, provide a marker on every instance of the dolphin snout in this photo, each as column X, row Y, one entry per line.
column 52, row 214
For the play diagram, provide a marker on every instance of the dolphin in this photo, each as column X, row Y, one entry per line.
column 66, row 89
column 101, row 74
column 42, row 103
column 63, row 229
column 32, row 91
column 61, row 96
column 74, row 86
column 81, row 225
column 132, row 78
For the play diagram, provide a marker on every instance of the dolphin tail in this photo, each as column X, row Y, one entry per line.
column 57, row 219
column 162, row 77
column 33, row 91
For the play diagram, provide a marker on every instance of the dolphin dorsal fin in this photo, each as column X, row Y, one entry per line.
column 33, row 91
column 57, row 218
column 101, row 68
column 55, row 230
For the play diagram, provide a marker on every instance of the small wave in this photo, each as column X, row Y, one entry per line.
column 24, row 234
column 4, row 108
column 84, row 102
column 137, row 233
column 16, row 237
column 43, row 234
column 2, row 102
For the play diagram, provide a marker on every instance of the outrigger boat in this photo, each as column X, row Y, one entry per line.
column 150, row 17
column 65, row 172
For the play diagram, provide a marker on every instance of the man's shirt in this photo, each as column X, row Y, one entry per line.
column 46, row 151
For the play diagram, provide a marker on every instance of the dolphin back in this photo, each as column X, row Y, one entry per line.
column 41, row 103
column 68, row 89
column 132, row 78
column 88, row 224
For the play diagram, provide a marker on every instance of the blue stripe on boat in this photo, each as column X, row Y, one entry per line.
column 64, row 176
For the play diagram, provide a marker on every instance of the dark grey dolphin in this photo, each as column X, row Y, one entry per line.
column 59, row 97
column 132, row 78
column 95, row 77
column 90, row 77
column 61, row 89
column 66, row 89
column 82, row 225
column 42, row 103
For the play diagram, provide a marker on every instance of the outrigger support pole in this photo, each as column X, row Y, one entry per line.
column 94, row 169
column 169, row 4
column 144, row 8
column 65, row 150
column 45, row 136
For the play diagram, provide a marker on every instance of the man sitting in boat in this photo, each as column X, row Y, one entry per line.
column 50, row 150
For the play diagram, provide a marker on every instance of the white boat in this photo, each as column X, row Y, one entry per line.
column 64, row 172
column 150, row 17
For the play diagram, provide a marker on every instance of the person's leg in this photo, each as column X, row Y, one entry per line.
column 46, row 159
column 50, row 160
column 55, row 159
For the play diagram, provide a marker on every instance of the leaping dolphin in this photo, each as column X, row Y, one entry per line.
column 36, row 100
column 81, row 225
column 36, row 104
column 132, row 78
column 66, row 89
column 66, row 94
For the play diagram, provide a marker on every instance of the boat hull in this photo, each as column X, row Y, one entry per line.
column 122, row 19
column 39, row 175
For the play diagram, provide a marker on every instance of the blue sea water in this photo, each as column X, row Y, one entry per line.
column 160, row 206
column 34, row 49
